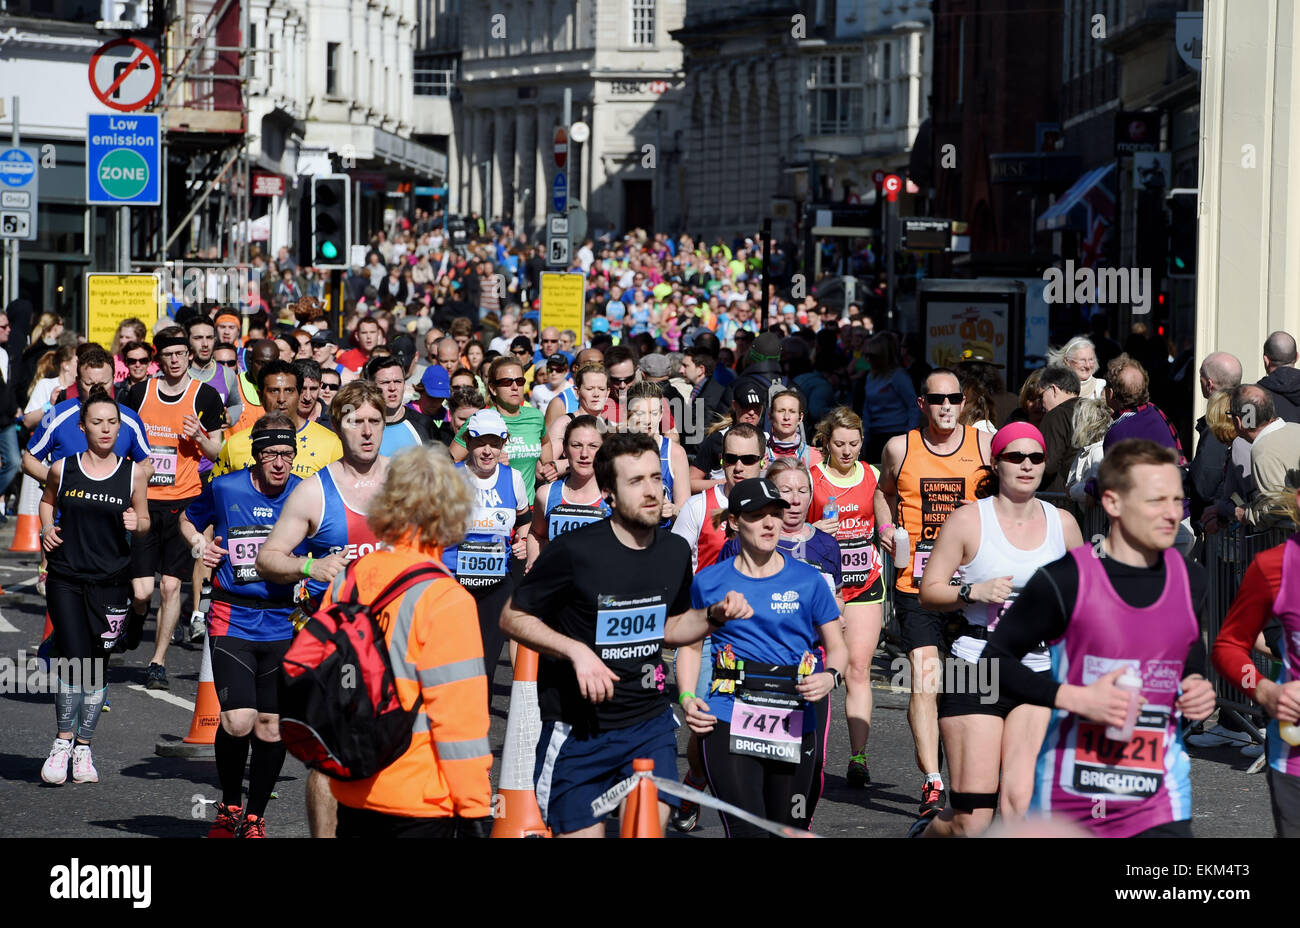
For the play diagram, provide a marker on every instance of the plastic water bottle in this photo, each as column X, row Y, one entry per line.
column 831, row 510
column 1130, row 680
column 901, row 542
column 1289, row 733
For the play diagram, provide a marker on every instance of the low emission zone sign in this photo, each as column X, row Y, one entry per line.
column 122, row 160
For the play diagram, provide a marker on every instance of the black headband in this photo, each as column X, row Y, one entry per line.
column 163, row 342
column 268, row 438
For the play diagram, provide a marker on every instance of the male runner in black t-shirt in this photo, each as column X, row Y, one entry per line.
column 611, row 594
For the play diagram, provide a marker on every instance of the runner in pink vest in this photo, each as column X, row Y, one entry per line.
column 1119, row 612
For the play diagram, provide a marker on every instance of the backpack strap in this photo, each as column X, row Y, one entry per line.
column 405, row 580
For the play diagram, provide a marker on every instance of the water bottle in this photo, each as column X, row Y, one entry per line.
column 901, row 541
column 1289, row 733
column 831, row 510
column 1131, row 681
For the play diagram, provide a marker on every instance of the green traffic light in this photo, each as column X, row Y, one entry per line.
column 328, row 250
column 1178, row 263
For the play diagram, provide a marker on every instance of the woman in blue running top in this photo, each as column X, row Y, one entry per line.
column 574, row 501
column 762, row 742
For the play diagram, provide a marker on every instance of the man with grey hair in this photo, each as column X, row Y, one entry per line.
column 509, row 329
column 1219, row 371
column 1274, row 445
column 1281, row 378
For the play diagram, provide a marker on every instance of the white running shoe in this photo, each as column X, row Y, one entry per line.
column 83, row 768
column 55, row 769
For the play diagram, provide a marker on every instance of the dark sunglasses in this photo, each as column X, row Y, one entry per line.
column 330, row 386
column 145, row 360
column 507, row 381
column 936, row 399
column 619, row 381
column 1019, row 457
column 749, row 460
column 233, row 362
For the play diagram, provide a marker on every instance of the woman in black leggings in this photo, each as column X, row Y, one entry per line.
column 763, row 741
column 98, row 499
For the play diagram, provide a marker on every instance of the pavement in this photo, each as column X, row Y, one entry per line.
column 141, row 794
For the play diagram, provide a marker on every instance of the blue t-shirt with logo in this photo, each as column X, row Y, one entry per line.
column 788, row 607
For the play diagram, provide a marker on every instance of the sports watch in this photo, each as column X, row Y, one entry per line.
column 836, row 676
column 964, row 593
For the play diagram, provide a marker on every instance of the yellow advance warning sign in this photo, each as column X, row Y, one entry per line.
column 562, row 302
column 110, row 298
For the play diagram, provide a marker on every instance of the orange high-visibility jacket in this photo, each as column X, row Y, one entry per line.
column 437, row 656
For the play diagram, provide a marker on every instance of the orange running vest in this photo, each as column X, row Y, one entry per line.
column 930, row 486
column 175, row 459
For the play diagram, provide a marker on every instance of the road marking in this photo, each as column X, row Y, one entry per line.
column 7, row 626
column 163, row 695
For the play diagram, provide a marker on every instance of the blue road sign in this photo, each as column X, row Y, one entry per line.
column 122, row 160
column 560, row 192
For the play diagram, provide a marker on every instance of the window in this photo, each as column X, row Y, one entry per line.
column 332, row 69
column 643, row 22
column 836, row 95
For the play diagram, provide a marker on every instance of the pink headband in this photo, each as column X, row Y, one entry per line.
column 1013, row 431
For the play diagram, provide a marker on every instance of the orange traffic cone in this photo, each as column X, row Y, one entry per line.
column 27, row 532
column 641, row 813
column 515, row 805
column 207, row 716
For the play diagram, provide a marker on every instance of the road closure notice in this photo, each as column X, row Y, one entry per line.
column 110, row 298
column 562, row 301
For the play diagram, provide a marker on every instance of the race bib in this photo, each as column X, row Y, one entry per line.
column 767, row 725
column 481, row 563
column 566, row 517
column 857, row 559
column 629, row 627
column 115, row 616
column 163, row 458
column 242, row 547
column 1120, row 770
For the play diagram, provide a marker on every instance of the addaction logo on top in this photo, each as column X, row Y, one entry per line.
column 192, row 285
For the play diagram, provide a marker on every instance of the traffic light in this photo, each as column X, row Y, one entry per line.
column 331, row 220
column 1182, row 235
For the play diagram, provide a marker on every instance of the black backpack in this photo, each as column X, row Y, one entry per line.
column 340, row 712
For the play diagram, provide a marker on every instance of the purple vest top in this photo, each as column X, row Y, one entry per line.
column 1281, row 756
column 1114, row 788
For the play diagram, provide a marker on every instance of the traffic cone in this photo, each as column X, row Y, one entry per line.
column 207, row 716
column 514, row 807
column 27, row 533
column 641, row 813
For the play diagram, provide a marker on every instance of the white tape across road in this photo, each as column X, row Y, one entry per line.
column 608, row 801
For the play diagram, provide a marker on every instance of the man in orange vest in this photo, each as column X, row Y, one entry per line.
column 924, row 475
column 183, row 420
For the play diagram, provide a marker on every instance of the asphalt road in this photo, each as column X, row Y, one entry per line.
column 145, row 795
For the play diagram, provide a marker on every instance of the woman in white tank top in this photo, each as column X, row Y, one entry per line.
column 993, row 545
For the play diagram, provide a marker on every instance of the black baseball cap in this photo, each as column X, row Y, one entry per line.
column 754, row 494
column 748, row 395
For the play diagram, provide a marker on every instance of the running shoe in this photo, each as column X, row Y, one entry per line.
column 687, row 817
column 198, row 627
column 155, row 678
column 932, row 797
column 858, row 777
column 253, row 826
column 227, row 822
column 55, row 769
column 919, row 826
column 83, row 768
column 41, row 574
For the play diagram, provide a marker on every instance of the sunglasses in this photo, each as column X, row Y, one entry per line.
column 620, row 381
column 749, row 460
column 231, row 363
column 145, row 360
column 507, row 381
column 330, row 386
column 936, row 399
column 1019, row 457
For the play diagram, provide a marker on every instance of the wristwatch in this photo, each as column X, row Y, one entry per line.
column 708, row 615
column 964, row 593
column 836, row 676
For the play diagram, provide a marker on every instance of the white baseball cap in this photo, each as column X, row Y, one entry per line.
column 486, row 422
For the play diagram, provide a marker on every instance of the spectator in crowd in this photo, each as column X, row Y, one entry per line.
column 889, row 405
column 1080, row 355
column 1220, row 371
column 1059, row 396
column 1274, row 446
column 1227, row 499
column 1031, row 407
column 1090, row 421
column 1282, row 379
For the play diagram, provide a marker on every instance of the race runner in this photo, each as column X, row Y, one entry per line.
column 843, row 504
column 996, row 544
column 645, row 407
column 525, row 449
column 761, row 741
column 326, row 514
column 1128, row 610
column 249, row 626
column 599, row 605
column 279, row 384
column 490, row 560
column 403, row 426
column 574, row 501
column 591, row 389
column 924, row 475
column 99, row 500
column 785, row 437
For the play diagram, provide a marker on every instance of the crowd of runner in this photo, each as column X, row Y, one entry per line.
column 706, row 507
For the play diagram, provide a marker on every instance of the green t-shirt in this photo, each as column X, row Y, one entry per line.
column 524, row 446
